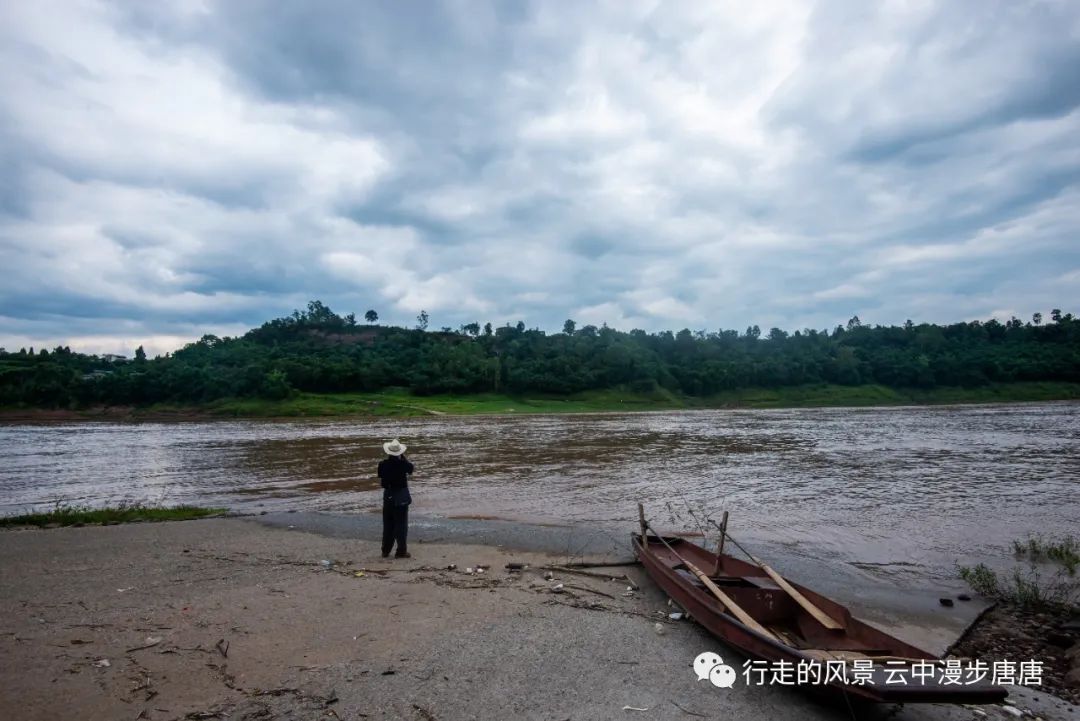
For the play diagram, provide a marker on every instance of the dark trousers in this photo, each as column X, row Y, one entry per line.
column 395, row 527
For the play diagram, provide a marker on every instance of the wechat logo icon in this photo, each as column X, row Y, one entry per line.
column 710, row 666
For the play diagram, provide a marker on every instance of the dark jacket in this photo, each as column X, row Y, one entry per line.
column 394, row 475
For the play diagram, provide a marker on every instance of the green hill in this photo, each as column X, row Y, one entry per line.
column 318, row 362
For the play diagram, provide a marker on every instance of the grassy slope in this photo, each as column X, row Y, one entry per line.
column 401, row 403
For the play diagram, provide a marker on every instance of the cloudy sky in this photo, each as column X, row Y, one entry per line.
column 176, row 168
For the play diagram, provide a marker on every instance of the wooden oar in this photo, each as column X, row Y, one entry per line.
column 820, row 616
column 725, row 600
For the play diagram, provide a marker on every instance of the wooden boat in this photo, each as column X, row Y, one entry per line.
column 771, row 619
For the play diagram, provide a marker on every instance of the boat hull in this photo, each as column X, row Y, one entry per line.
column 767, row 603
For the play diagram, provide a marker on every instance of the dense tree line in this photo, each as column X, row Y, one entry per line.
column 318, row 350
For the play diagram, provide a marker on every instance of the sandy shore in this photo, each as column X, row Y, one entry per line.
column 236, row 619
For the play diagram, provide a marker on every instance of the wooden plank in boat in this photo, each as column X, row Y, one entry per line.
column 820, row 616
column 787, row 637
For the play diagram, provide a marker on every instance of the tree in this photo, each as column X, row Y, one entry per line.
column 275, row 386
column 854, row 323
column 1037, row 319
column 371, row 317
column 568, row 327
column 422, row 320
column 320, row 314
column 140, row 355
column 1055, row 315
column 520, row 326
column 487, row 328
column 472, row 329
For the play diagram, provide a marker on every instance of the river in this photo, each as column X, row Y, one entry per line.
column 893, row 491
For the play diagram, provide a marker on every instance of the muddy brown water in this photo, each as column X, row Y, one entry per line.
column 893, row 491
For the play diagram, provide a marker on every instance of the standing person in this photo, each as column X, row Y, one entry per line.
column 394, row 474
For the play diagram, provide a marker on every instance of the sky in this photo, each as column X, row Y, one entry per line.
column 179, row 168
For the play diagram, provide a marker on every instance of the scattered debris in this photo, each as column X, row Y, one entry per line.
column 515, row 567
column 452, row 567
column 659, row 628
column 102, row 663
column 423, row 713
column 325, row 563
column 1012, row 711
column 150, row 642
column 676, row 616
column 963, row 597
column 633, row 708
column 223, row 647
column 557, row 588
column 946, row 602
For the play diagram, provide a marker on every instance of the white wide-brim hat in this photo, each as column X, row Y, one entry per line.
column 394, row 447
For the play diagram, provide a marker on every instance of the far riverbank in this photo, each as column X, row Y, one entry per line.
column 401, row 403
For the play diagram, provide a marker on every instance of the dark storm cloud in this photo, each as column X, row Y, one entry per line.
column 178, row 168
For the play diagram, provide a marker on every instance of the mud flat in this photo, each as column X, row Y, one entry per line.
column 236, row 619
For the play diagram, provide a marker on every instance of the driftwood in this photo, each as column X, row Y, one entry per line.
column 589, row 590
column 597, row 564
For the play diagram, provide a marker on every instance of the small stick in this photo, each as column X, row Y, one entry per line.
column 590, row 590
column 720, row 548
column 688, row 712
